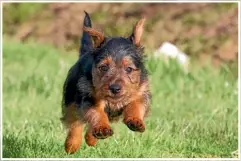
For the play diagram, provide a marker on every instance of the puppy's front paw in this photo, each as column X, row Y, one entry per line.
column 135, row 124
column 102, row 132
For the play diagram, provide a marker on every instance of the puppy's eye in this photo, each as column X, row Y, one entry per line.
column 104, row 68
column 129, row 69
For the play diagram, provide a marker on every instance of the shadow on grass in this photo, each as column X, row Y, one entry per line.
column 13, row 147
column 27, row 146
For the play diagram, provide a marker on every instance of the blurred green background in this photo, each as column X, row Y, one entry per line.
column 193, row 114
column 201, row 30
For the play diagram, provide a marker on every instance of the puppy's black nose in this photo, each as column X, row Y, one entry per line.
column 115, row 88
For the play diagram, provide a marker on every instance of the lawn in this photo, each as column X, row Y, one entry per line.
column 193, row 115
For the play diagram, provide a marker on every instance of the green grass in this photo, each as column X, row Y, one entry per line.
column 17, row 13
column 193, row 115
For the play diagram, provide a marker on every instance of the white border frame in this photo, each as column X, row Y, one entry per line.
column 1, row 81
column 126, row 1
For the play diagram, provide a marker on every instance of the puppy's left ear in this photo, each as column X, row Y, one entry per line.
column 137, row 32
column 98, row 37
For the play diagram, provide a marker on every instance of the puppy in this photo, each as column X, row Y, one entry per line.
column 108, row 81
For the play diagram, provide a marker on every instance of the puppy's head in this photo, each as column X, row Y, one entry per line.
column 118, row 69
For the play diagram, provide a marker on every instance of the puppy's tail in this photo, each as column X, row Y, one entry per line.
column 86, row 41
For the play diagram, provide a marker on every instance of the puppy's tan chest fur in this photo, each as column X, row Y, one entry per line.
column 113, row 114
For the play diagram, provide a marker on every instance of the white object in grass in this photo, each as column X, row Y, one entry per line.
column 169, row 50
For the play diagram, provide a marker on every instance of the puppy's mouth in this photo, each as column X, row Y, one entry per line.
column 114, row 97
column 117, row 101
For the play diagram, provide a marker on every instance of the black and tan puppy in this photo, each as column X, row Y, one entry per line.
column 108, row 81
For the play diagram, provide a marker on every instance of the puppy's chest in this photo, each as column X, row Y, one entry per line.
column 113, row 113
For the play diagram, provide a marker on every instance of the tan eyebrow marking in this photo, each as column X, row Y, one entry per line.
column 126, row 61
column 107, row 60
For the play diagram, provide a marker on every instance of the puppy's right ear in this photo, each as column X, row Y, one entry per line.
column 98, row 37
column 137, row 32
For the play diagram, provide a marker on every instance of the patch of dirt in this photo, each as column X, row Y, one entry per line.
column 199, row 29
column 59, row 24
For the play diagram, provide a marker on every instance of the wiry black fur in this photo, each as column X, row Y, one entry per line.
column 86, row 42
column 78, row 85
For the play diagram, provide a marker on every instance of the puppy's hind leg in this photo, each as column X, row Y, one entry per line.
column 75, row 128
column 74, row 138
